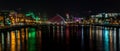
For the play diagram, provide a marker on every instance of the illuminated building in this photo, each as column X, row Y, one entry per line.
column 106, row 18
column 106, row 15
column 20, row 18
column 5, row 14
column 13, row 17
column 1, row 21
column 76, row 19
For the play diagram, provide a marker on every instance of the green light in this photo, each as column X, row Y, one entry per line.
column 37, row 18
column 33, row 16
column 31, row 39
column 28, row 14
column 32, row 33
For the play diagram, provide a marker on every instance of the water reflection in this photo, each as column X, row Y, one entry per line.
column 18, row 40
column 82, row 39
column 13, row 42
column 23, row 37
column 111, row 40
column 67, row 35
column 79, row 37
column 31, row 39
column 8, row 41
column 39, row 40
column 91, row 42
column 2, row 41
column 114, row 41
column 106, row 39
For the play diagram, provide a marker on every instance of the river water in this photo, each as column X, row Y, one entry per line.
column 61, row 38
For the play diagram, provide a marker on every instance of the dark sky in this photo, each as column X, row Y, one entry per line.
column 58, row 6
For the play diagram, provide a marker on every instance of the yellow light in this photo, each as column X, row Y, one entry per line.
column 111, row 41
column 12, row 41
column 90, row 32
column 22, row 31
column 18, row 39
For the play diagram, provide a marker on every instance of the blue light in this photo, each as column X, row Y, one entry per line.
column 106, row 35
column 106, row 41
column 82, row 41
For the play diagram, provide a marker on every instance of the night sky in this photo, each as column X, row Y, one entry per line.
column 63, row 6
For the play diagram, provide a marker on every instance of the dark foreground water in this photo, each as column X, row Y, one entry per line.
column 61, row 38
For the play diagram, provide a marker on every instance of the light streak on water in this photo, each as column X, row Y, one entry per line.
column 32, row 33
column 97, row 33
column 91, row 43
column 26, row 33
column 90, row 32
column 98, row 36
column 13, row 43
column 67, row 34
column 39, row 38
column 82, row 33
column 26, row 30
column 53, row 31
column 23, row 34
column 93, row 32
column 2, row 38
column 111, row 41
column 31, row 39
column 100, row 39
column 8, row 38
column 82, row 41
column 58, row 33
column 106, row 41
column 40, row 35
column 8, row 41
column 2, row 41
column 18, row 33
column 22, row 38
column 61, row 31
column 18, row 40
column 114, row 39
column 100, row 33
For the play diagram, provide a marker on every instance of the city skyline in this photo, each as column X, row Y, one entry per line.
column 59, row 25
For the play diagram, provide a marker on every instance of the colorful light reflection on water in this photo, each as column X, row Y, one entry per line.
column 94, row 38
column 106, row 40
column 31, row 39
